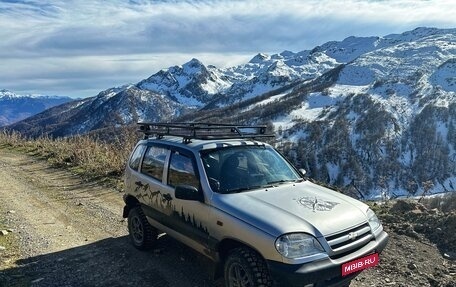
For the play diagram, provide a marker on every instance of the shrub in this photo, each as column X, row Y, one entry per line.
column 90, row 155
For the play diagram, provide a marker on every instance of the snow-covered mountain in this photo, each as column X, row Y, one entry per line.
column 179, row 90
column 15, row 107
column 110, row 108
column 192, row 84
column 369, row 114
column 382, row 122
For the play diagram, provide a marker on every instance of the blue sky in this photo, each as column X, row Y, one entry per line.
column 80, row 47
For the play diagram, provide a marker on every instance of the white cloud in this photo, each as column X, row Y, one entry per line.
column 46, row 44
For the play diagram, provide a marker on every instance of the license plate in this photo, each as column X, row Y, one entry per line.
column 360, row 264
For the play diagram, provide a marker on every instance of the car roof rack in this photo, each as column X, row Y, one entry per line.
column 204, row 131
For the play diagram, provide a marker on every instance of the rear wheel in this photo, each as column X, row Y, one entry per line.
column 142, row 234
column 245, row 268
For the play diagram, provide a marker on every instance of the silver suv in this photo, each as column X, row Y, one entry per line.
column 236, row 200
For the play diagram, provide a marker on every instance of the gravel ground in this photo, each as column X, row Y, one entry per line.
column 63, row 231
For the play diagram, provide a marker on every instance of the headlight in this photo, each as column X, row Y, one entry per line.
column 374, row 222
column 297, row 245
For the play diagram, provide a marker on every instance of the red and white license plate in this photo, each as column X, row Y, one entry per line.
column 360, row 264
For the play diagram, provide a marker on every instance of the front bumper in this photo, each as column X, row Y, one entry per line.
column 327, row 272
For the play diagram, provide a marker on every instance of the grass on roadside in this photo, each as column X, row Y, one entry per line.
column 86, row 155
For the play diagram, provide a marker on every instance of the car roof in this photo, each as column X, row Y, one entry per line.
column 199, row 144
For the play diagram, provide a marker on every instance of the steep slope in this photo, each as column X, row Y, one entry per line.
column 193, row 84
column 393, row 129
column 111, row 108
column 264, row 73
column 15, row 107
column 383, row 123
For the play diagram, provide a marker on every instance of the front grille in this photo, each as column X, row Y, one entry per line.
column 349, row 240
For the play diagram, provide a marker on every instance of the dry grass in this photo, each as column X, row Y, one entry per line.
column 87, row 154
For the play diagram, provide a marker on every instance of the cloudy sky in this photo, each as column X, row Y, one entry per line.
column 80, row 47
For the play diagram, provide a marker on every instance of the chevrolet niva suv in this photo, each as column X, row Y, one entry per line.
column 236, row 200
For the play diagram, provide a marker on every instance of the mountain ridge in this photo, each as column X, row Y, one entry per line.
column 16, row 107
column 362, row 114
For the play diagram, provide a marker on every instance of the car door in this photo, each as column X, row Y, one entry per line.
column 190, row 217
column 150, row 183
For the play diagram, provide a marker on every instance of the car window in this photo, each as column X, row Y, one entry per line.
column 135, row 159
column 154, row 162
column 181, row 171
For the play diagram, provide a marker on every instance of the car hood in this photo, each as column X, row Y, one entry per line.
column 295, row 207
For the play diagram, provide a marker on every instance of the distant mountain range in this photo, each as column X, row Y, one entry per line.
column 14, row 107
column 372, row 115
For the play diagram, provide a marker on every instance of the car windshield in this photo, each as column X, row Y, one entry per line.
column 237, row 169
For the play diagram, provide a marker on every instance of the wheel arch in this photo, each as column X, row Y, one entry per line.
column 224, row 248
column 130, row 202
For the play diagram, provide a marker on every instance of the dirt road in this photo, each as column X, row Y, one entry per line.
column 67, row 232
column 71, row 233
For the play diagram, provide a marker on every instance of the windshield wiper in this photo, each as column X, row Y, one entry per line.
column 235, row 190
column 238, row 190
column 285, row 181
column 260, row 186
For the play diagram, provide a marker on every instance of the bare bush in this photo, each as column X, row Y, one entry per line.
column 89, row 155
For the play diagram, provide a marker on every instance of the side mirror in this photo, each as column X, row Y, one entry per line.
column 214, row 184
column 188, row 192
column 302, row 171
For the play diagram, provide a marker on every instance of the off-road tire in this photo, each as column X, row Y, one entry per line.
column 142, row 234
column 246, row 268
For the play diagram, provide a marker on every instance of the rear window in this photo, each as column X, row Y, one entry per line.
column 135, row 158
column 154, row 162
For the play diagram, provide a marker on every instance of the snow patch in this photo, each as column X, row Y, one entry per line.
column 356, row 76
column 445, row 76
column 343, row 90
column 269, row 100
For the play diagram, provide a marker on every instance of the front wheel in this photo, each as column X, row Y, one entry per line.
column 245, row 268
column 142, row 234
